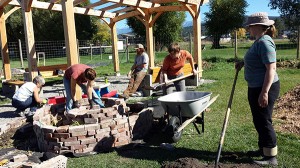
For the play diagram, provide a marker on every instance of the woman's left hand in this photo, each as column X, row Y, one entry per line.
column 263, row 100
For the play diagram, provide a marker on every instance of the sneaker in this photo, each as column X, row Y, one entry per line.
column 30, row 113
column 123, row 96
column 271, row 161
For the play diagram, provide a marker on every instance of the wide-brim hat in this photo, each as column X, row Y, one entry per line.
column 139, row 46
column 259, row 18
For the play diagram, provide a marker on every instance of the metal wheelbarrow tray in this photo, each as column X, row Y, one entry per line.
column 184, row 108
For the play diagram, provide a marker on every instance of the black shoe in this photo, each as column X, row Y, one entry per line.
column 267, row 161
column 255, row 153
column 124, row 96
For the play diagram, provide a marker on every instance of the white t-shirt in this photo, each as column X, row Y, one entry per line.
column 142, row 59
column 25, row 91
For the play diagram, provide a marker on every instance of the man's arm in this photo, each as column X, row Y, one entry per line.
column 191, row 60
column 73, row 88
column 89, row 88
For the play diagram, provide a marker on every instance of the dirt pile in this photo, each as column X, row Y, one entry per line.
column 287, row 111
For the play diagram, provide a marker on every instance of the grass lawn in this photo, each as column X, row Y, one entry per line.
column 240, row 136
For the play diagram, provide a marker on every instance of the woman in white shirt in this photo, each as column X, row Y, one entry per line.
column 28, row 94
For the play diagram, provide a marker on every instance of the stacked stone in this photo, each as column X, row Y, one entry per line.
column 103, row 128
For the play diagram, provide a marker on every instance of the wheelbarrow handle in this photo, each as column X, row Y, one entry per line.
column 173, row 80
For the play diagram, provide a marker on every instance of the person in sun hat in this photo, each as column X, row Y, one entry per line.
column 137, row 72
column 263, row 84
column 80, row 74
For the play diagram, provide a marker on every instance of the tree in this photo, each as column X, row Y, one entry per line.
column 241, row 33
column 279, row 27
column 290, row 12
column 167, row 28
column 103, row 35
column 48, row 25
column 224, row 17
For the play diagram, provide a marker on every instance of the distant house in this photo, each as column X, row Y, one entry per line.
column 225, row 38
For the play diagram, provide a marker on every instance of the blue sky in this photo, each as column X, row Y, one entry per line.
column 254, row 6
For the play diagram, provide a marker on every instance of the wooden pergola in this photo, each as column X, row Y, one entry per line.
column 110, row 11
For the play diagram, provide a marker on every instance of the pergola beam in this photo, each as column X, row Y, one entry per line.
column 7, row 14
column 167, row 9
column 58, row 7
column 27, row 5
column 76, row 2
column 110, row 7
column 96, row 4
column 127, row 15
column 124, row 10
column 155, row 18
column 188, row 7
column 137, row 3
column 194, row 2
column 3, row 3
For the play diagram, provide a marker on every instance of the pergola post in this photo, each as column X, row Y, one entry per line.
column 29, row 39
column 69, row 31
column 197, row 38
column 4, row 46
column 115, row 53
column 70, row 37
column 149, row 39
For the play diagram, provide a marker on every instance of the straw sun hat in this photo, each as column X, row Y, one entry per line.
column 259, row 18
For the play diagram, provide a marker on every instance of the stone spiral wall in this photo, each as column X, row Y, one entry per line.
column 98, row 129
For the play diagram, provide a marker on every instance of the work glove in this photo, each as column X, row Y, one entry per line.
column 195, row 72
column 91, row 103
column 44, row 101
column 76, row 104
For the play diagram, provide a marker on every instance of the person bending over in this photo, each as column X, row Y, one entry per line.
column 80, row 74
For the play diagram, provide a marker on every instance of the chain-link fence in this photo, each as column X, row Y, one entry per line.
column 92, row 52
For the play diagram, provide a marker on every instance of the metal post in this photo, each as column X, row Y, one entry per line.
column 21, row 54
column 298, row 46
column 235, row 44
column 191, row 43
column 127, row 49
column 154, row 48
column 91, row 48
column 100, row 52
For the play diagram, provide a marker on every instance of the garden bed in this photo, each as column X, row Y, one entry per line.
column 89, row 130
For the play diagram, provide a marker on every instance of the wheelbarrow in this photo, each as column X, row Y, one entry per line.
column 183, row 108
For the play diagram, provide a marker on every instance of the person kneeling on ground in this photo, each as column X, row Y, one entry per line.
column 80, row 74
column 28, row 96
column 138, row 71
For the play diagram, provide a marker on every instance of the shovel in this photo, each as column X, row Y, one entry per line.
column 226, row 119
column 165, row 83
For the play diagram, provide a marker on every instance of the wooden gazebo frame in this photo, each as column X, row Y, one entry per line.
column 112, row 12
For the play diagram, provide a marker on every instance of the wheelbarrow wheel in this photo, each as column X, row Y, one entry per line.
column 174, row 124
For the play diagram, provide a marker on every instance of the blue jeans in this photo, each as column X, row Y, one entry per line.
column 179, row 85
column 69, row 101
column 22, row 105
